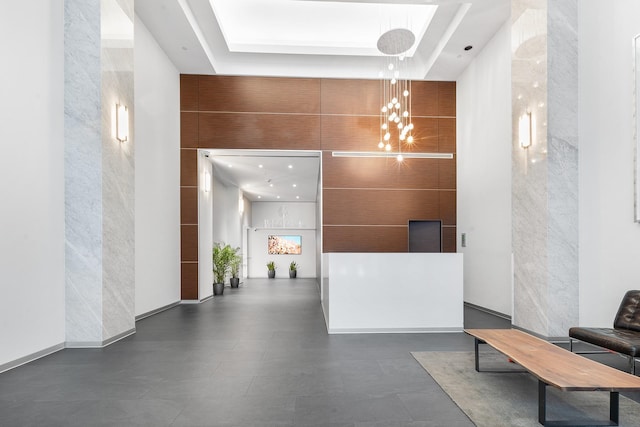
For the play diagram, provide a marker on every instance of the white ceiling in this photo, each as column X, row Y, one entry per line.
column 312, row 38
column 269, row 176
column 316, row 38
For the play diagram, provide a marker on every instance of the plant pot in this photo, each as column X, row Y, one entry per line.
column 293, row 274
column 218, row 288
column 272, row 274
column 235, row 282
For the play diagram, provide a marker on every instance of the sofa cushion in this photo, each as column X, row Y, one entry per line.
column 628, row 316
column 619, row 340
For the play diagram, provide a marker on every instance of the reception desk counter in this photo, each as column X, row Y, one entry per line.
column 392, row 292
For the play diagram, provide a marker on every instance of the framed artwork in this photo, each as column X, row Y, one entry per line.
column 284, row 245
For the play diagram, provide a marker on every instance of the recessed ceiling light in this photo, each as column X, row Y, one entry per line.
column 295, row 185
column 270, row 185
column 260, row 166
column 230, row 165
column 297, row 197
column 259, row 197
column 290, row 166
column 277, row 197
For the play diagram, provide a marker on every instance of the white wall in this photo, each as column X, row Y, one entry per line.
column 32, row 279
column 258, row 256
column 227, row 221
column 205, row 228
column 300, row 219
column 609, row 239
column 484, row 174
column 157, row 165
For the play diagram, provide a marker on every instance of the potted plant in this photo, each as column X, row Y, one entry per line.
column 221, row 258
column 293, row 270
column 234, row 268
column 271, row 269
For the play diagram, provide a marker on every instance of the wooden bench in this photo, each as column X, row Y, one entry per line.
column 557, row 367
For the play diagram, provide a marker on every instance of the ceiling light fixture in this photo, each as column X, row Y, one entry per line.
column 384, row 154
column 396, row 127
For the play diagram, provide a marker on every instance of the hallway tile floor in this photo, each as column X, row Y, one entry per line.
column 257, row 356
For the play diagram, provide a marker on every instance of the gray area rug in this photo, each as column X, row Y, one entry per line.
column 511, row 399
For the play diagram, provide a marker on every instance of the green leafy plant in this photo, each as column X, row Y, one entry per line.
column 222, row 255
column 293, row 266
column 235, row 262
column 271, row 266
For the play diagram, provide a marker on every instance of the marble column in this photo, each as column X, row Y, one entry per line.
column 545, row 175
column 99, row 172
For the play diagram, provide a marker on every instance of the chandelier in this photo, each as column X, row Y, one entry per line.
column 396, row 127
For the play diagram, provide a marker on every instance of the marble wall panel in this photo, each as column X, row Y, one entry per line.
column 83, row 177
column 562, row 135
column 99, row 172
column 545, row 175
column 118, row 174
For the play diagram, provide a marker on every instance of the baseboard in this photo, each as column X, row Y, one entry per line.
column 206, row 298
column 99, row 344
column 190, row 301
column 393, row 330
column 488, row 311
column 156, row 311
column 552, row 339
column 31, row 357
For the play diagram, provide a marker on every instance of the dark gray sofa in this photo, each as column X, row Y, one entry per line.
column 624, row 337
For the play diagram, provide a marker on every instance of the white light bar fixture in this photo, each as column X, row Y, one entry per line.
column 122, row 123
column 388, row 154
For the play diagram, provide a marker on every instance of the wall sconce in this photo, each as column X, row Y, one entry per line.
column 241, row 205
column 122, row 123
column 525, row 132
column 207, row 181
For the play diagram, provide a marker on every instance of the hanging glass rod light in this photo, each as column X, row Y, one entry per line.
column 396, row 127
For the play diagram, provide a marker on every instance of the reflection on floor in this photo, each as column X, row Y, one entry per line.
column 257, row 356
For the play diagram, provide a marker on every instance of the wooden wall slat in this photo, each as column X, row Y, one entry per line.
column 447, row 99
column 424, row 98
column 188, row 92
column 188, row 205
column 189, row 242
column 259, row 131
column 447, row 135
column 350, row 133
column 449, row 239
column 346, row 172
column 379, row 207
column 364, row 239
column 189, row 280
column 447, row 204
column 188, row 167
column 425, row 134
column 189, row 130
column 447, row 174
column 348, row 96
column 259, row 94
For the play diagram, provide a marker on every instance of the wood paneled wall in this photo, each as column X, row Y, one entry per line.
column 367, row 202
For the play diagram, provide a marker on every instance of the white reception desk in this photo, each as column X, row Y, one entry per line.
column 392, row 292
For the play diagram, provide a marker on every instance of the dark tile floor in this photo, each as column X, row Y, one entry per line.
column 256, row 356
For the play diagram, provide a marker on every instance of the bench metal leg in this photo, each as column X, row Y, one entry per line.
column 614, row 414
column 632, row 365
column 477, row 343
